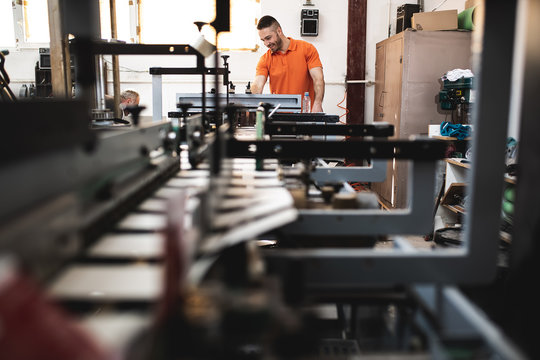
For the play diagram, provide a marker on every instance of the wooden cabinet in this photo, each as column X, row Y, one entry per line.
column 408, row 69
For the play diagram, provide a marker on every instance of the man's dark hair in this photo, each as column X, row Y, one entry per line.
column 267, row 21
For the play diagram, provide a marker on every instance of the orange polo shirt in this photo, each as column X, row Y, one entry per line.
column 289, row 71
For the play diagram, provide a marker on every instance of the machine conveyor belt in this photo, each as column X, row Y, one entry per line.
column 98, row 283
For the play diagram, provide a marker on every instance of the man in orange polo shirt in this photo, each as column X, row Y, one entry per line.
column 293, row 65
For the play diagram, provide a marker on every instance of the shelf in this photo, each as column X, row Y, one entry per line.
column 457, row 161
column 506, row 237
column 458, row 209
column 510, row 179
column 453, row 196
column 449, row 138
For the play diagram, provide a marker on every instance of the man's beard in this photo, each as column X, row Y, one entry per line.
column 279, row 42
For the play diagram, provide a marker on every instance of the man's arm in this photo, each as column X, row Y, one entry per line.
column 318, row 84
column 258, row 84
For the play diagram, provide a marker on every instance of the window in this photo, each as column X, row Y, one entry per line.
column 167, row 21
column 36, row 21
column 7, row 34
column 31, row 22
column 243, row 34
column 123, row 21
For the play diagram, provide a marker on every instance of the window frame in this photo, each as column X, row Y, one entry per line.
column 19, row 32
column 135, row 15
column 133, row 21
column 12, row 27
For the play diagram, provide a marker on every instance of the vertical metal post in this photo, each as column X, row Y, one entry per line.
column 527, row 213
column 115, row 64
column 157, row 97
column 486, row 176
column 100, row 84
column 521, row 311
column 201, row 66
column 81, row 18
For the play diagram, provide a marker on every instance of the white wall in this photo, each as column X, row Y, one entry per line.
column 331, row 44
column 20, row 66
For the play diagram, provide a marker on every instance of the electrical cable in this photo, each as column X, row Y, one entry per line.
column 440, row 4
column 126, row 69
column 358, row 186
column 343, row 108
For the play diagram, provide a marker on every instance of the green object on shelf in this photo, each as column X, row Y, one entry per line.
column 510, row 194
column 508, row 208
column 466, row 19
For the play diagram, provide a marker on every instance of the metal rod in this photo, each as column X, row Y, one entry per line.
column 100, row 84
column 115, row 63
column 367, row 82
column 275, row 109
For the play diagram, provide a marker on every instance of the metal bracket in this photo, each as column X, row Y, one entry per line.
column 417, row 219
column 375, row 172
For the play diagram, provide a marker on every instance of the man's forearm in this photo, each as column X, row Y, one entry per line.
column 319, row 91
column 318, row 85
column 258, row 84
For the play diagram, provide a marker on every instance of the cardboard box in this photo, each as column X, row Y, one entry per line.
column 434, row 130
column 435, row 20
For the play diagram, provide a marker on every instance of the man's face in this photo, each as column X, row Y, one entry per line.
column 270, row 37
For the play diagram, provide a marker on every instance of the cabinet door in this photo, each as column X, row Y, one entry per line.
column 388, row 70
column 393, row 85
column 379, row 82
column 392, row 82
column 383, row 189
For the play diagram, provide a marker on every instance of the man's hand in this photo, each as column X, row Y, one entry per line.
column 257, row 85
column 317, row 107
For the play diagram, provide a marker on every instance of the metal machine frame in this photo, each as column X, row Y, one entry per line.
column 157, row 84
column 415, row 220
column 288, row 103
column 374, row 172
column 288, row 125
column 476, row 261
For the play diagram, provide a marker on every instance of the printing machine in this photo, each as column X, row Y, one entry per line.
column 134, row 238
column 129, row 246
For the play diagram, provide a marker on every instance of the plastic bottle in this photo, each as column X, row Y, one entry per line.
column 306, row 103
